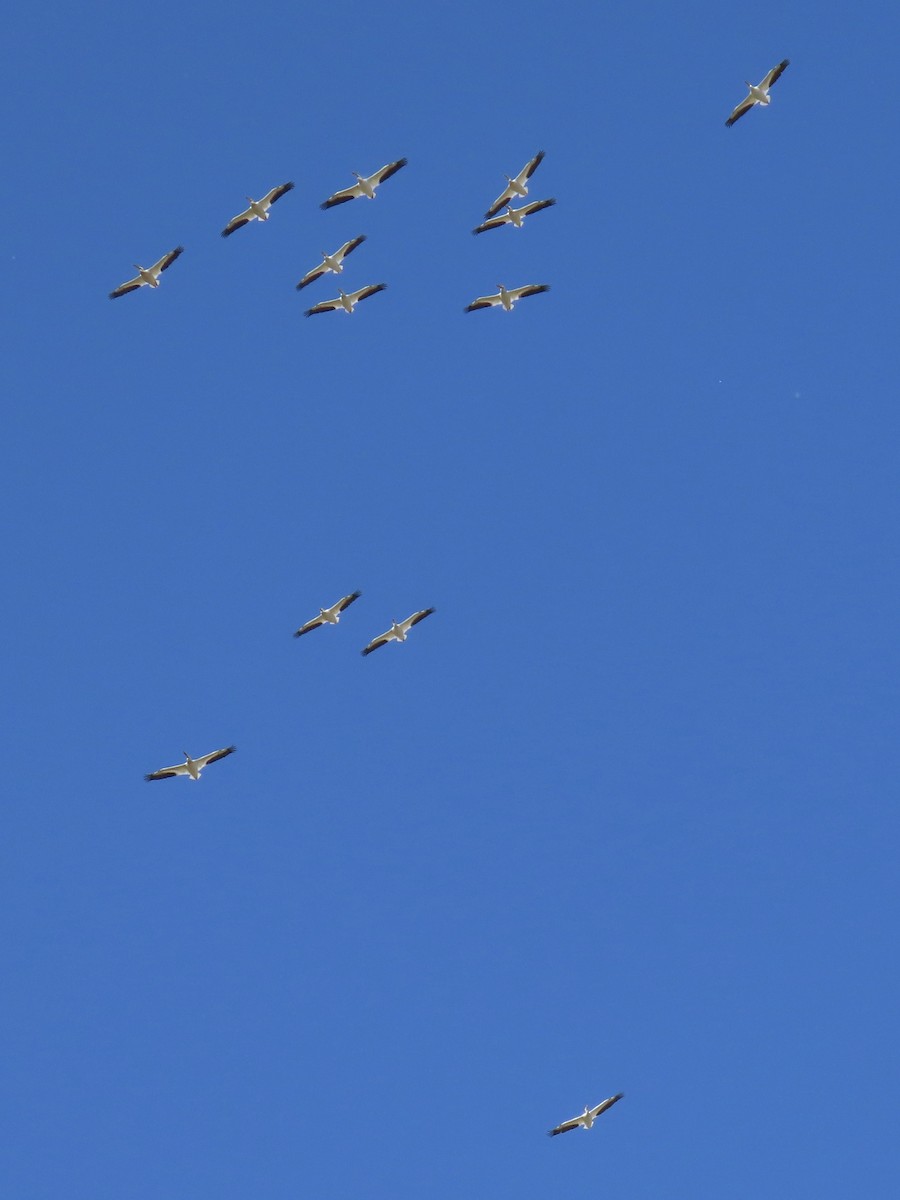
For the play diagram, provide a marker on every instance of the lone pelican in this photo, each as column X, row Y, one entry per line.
column 147, row 276
column 514, row 216
column 507, row 297
column 759, row 94
column 328, row 616
column 365, row 185
column 258, row 210
column 398, row 632
column 517, row 186
column 331, row 262
column 587, row 1118
column 191, row 766
column 346, row 300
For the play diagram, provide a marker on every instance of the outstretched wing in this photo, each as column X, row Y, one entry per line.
column 313, row 624
column 347, row 601
column 605, row 1104
column 236, row 222
column 324, row 306
column 505, row 196
column 530, row 167
column 311, row 276
column 532, row 289
column 341, row 197
column 167, row 772
column 482, row 302
column 131, row 286
column 776, row 73
column 277, row 192
column 366, row 292
column 416, row 618
column 349, row 247
column 167, row 259
column 743, row 107
column 215, row 756
column 375, row 643
column 387, row 171
column 494, row 223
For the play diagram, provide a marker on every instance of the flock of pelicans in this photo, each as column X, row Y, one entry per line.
column 366, row 186
column 500, row 213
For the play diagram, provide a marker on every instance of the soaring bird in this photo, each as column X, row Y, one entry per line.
column 365, row 185
column 147, row 276
column 587, row 1118
column 331, row 262
column 507, row 297
column 328, row 616
column 258, row 210
column 346, row 300
column 191, row 766
column 759, row 94
column 514, row 216
column 398, row 632
column 517, row 186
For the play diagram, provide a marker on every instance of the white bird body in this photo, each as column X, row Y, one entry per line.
column 399, row 630
column 365, row 185
column 328, row 616
column 759, row 92
column 147, row 276
column 258, row 210
column 346, row 301
column 506, row 298
column 517, row 186
column 586, row 1119
column 191, row 766
column 514, row 216
column 331, row 262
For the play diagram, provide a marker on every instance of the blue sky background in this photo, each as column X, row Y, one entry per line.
column 622, row 815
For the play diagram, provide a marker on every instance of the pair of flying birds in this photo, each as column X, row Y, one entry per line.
column 398, row 631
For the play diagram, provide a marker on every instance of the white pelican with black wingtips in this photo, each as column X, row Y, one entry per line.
column 331, row 262
column 346, row 300
column 759, row 93
column 328, row 616
column 587, row 1118
column 147, row 276
column 399, row 631
column 514, row 216
column 258, row 210
column 191, row 766
column 365, row 185
column 506, row 298
column 517, row 186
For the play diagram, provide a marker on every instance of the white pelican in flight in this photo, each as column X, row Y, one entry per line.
column 191, row 766
column 328, row 616
column 346, row 300
column 365, row 185
column 507, row 297
column 147, row 276
column 398, row 632
column 258, row 210
column 331, row 262
column 516, row 187
column 514, row 216
column 758, row 94
column 587, row 1118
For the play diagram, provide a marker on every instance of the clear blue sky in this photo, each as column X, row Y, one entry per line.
column 623, row 814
